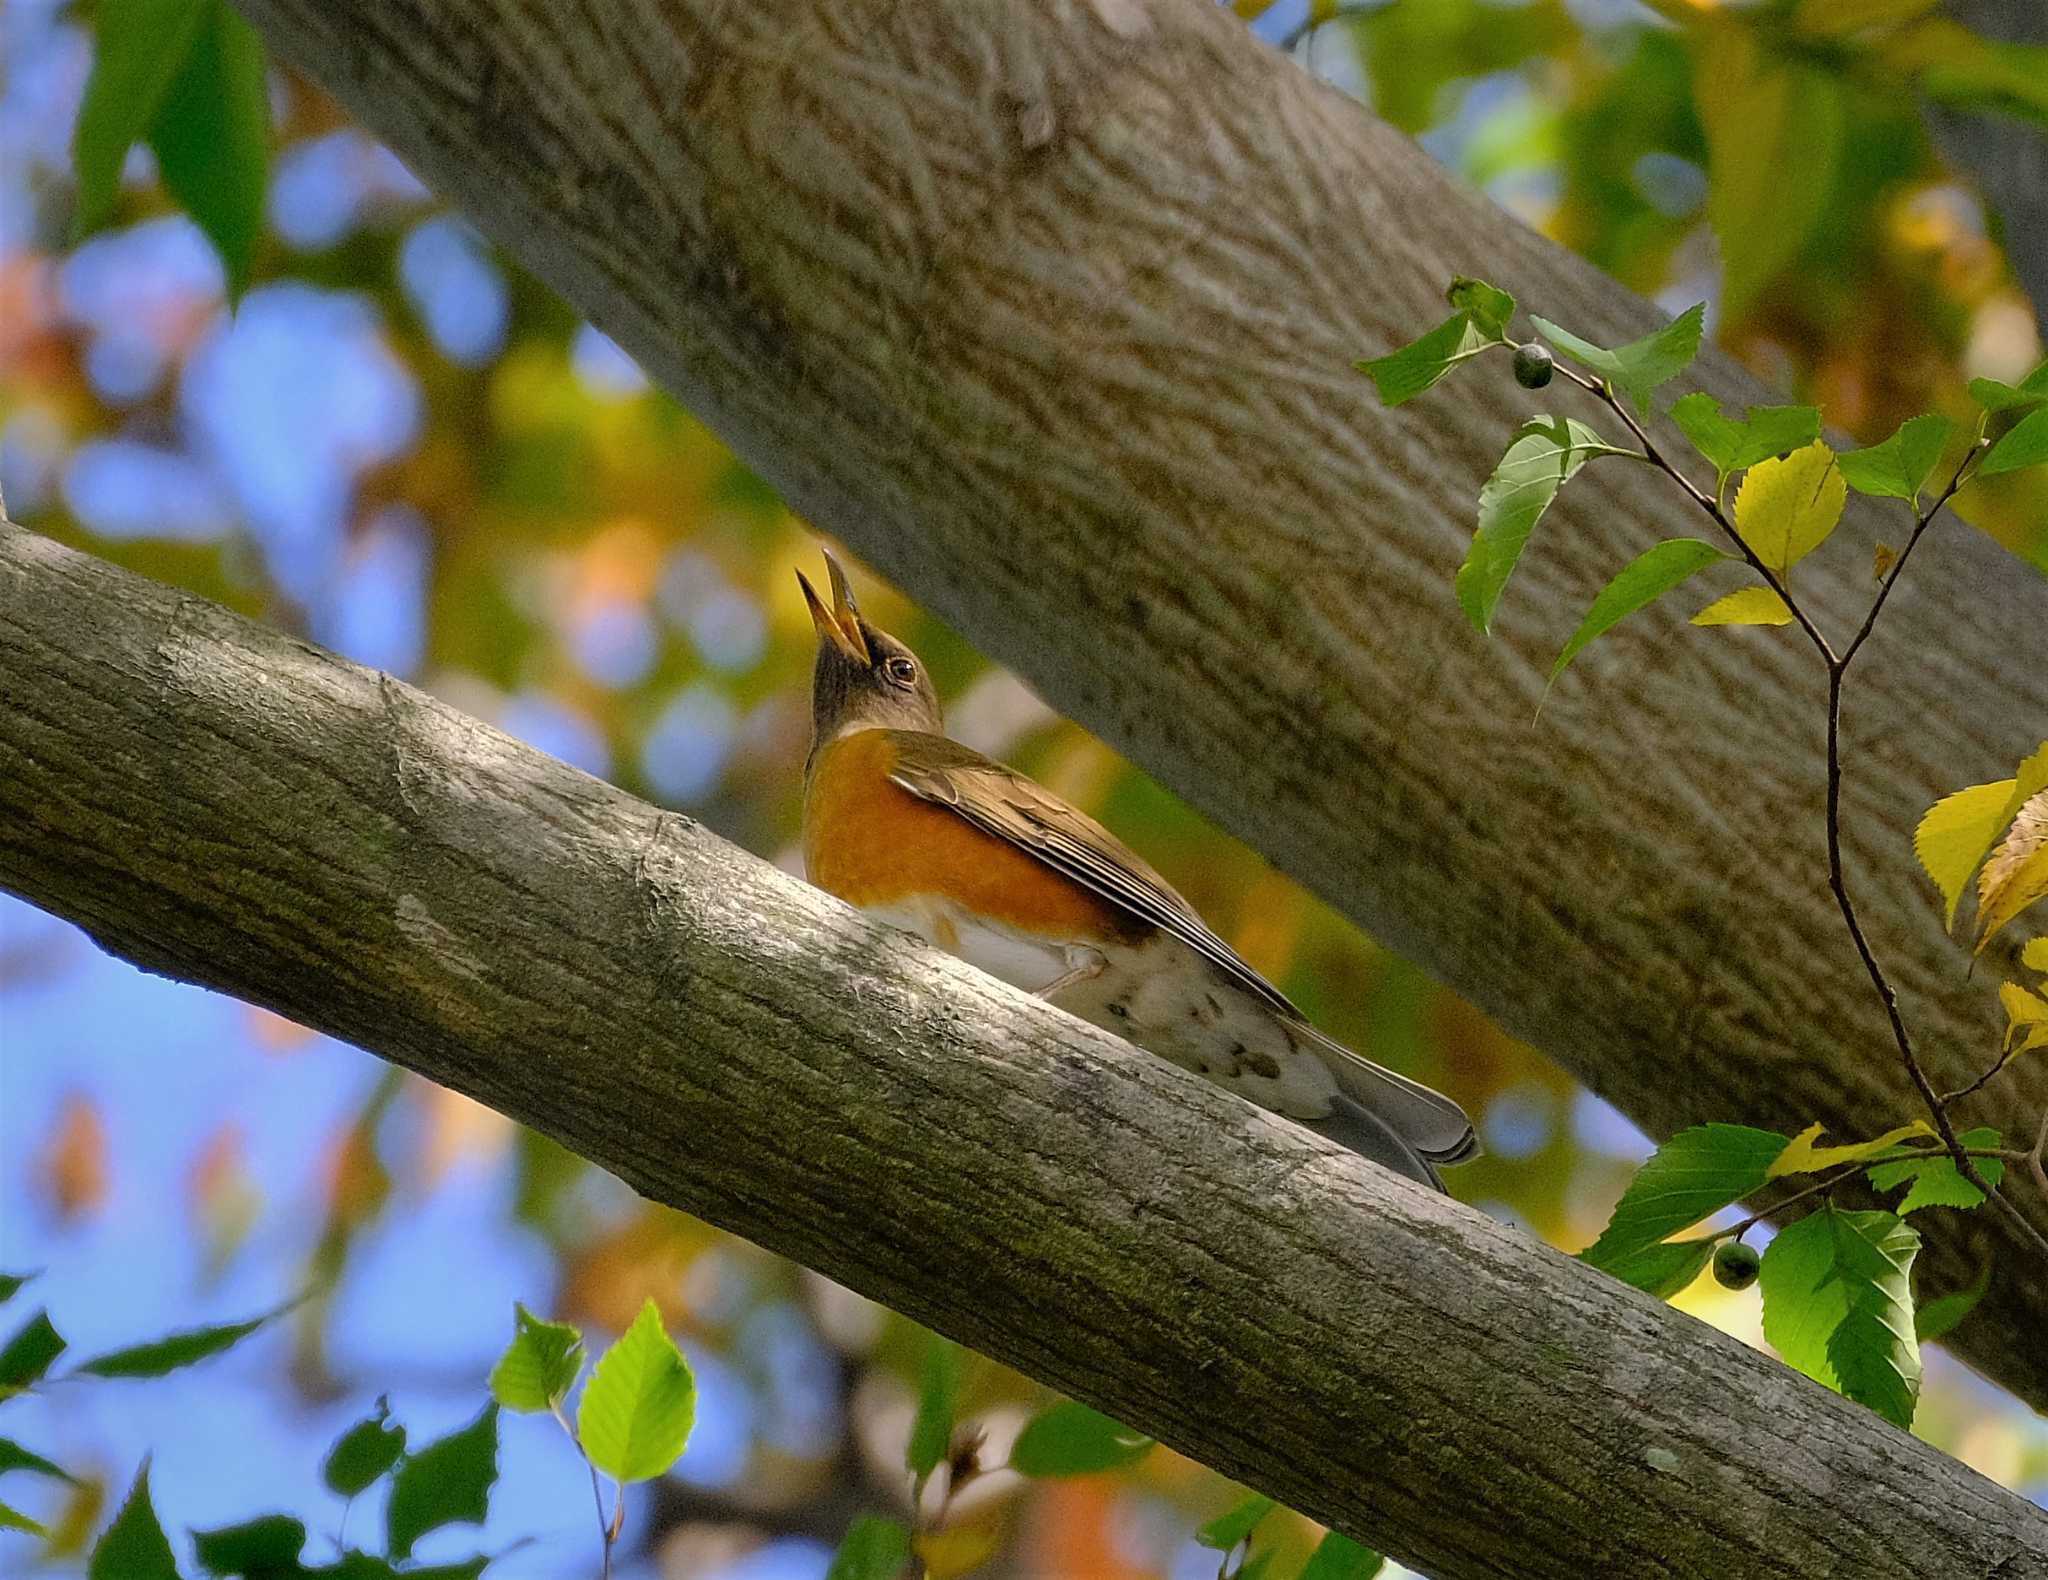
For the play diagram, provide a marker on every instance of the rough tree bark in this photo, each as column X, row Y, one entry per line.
column 1048, row 309
column 226, row 804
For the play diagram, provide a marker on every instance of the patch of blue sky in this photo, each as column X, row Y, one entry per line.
column 615, row 643
column 326, row 186
column 551, row 725
column 1601, row 1127
column 376, row 610
column 135, row 293
column 685, row 752
column 602, row 366
column 1519, row 1122
column 457, row 290
column 121, row 488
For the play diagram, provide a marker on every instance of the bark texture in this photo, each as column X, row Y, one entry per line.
column 231, row 806
column 1047, row 307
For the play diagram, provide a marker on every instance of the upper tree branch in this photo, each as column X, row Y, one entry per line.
column 225, row 804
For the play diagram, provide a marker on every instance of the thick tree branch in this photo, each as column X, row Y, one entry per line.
column 1048, row 308
column 228, row 805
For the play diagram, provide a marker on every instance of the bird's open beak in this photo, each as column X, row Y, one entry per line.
column 840, row 624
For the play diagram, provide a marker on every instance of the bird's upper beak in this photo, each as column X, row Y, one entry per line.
column 840, row 624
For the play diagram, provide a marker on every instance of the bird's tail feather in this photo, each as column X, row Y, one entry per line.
column 1381, row 1111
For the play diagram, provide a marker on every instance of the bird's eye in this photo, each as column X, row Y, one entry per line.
column 902, row 670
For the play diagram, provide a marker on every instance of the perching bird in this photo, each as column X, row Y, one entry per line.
column 924, row 833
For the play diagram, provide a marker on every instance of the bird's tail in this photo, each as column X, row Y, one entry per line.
column 1398, row 1123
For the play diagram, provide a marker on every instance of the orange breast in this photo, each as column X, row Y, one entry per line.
column 873, row 843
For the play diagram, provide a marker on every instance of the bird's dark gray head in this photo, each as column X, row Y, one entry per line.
column 864, row 678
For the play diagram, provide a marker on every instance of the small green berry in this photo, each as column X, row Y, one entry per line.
column 1533, row 364
column 1735, row 1265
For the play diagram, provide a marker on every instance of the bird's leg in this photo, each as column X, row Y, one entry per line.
column 1083, row 965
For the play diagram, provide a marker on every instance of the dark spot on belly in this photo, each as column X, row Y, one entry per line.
column 1120, row 1010
column 1262, row 1064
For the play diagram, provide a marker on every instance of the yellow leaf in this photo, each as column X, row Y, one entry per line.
column 2017, row 873
column 1883, row 560
column 1804, row 1155
column 959, row 1549
column 1786, row 509
column 1750, row 606
column 1955, row 834
column 2035, row 956
column 1251, row 10
column 2022, row 1010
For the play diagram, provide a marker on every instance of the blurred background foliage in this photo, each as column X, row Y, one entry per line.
column 400, row 445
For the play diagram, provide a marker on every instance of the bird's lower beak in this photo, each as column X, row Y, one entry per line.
column 839, row 625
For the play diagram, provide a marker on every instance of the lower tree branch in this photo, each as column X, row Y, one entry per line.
column 230, row 806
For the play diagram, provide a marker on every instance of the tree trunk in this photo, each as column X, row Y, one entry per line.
column 228, row 805
column 1048, row 308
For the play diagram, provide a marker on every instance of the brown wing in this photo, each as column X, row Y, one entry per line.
column 1003, row 802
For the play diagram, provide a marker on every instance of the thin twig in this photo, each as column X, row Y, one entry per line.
column 2034, row 1158
column 1920, row 525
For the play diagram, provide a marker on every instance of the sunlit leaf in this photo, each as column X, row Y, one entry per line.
column 259, row 1548
column 2024, row 444
column 1338, row 1557
column 2035, row 955
column 211, row 136
column 138, row 48
column 1746, row 606
column 1956, row 834
column 29, row 1353
column 1488, row 306
column 364, row 1452
column 1236, row 1523
column 134, row 1547
column 14, row 1457
column 168, row 1354
column 1069, row 1439
column 1697, row 1172
column 1838, row 1306
column 938, row 1399
column 1641, row 582
column 12, row 1519
column 2015, row 875
column 637, row 1409
column 874, row 1549
column 1639, row 368
column 1401, row 375
column 1664, row 1269
column 1805, row 1155
column 1731, row 444
column 961, row 1546
column 1942, row 1314
column 1899, row 467
column 1994, row 395
column 447, row 1482
column 1544, row 456
column 1785, row 509
column 1934, row 1177
column 539, row 1366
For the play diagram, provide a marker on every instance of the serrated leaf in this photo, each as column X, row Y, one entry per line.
column 1746, row 606
column 938, row 1399
column 1069, row 1439
column 1956, row 834
column 1645, row 579
column 14, row 1457
column 2035, row 955
column 1401, row 375
column 1942, row 1314
column 12, row 1519
column 637, row 1409
column 1488, row 306
column 365, row 1452
column 1838, row 1306
column 1730, row 444
column 2024, row 444
column 1934, row 1177
column 211, row 136
column 1899, row 467
column 138, row 48
column 447, row 1482
column 1544, row 456
column 1642, row 366
column 1338, row 1557
column 258, row 1548
column 1786, row 509
column 29, row 1353
column 1236, row 1523
column 1697, row 1172
column 1995, row 395
column 2016, row 874
column 2024, row 1009
column 539, row 1366
column 10, row 1285
column 1665, row 1269
column 172, row 1352
column 134, row 1547
column 1805, row 1155
column 874, row 1549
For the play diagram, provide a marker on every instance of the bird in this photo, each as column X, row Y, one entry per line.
column 928, row 835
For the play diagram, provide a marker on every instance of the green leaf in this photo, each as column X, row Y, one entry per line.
column 134, row 1547
column 364, row 1452
column 1338, row 1557
column 1731, row 445
column 1697, row 1172
column 2024, row 444
column 1838, row 1306
column 138, row 47
column 1665, row 1269
column 449, row 1480
column 170, row 1353
column 1544, row 456
column 1069, row 1439
column 257, row 1548
column 1640, row 367
column 14, row 1457
column 368, row 1566
column 29, row 1354
column 1236, row 1523
column 637, row 1409
column 10, row 1284
column 1645, row 579
column 874, row 1549
column 212, row 137
column 539, row 1366
column 1936, row 1180
column 1995, row 396
column 1940, row 1316
column 1898, row 468
column 938, row 1399
column 1402, row 375
column 1488, row 306
column 12, row 1519
column 1255, row 1565
column 1786, row 509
